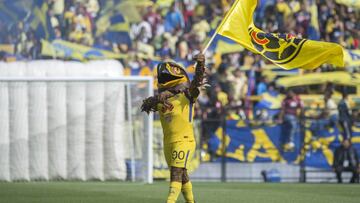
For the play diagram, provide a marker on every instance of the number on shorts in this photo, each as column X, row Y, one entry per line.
column 180, row 155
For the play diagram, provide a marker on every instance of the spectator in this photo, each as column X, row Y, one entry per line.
column 154, row 18
column 144, row 32
column 345, row 116
column 189, row 6
column 252, row 80
column 82, row 19
column 346, row 159
column 328, row 117
column 290, row 108
column 35, row 50
column 331, row 113
column 58, row 7
column 262, row 86
column 222, row 77
column 53, row 19
column 201, row 29
column 221, row 96
column 160, row 28
column 2, row 56
column 165, row 51
column 303, row 18
column 182, row 49
column 172, row 39
column 92, row 6
column 356, row 117
column 239, row 85
column 174, row 19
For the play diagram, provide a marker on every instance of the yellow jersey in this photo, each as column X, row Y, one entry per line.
column 177, row 124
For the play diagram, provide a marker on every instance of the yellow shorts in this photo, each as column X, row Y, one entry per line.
column 179, row 154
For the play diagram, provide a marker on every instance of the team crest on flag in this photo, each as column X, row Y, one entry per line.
column 279, row 48
column 284, row 50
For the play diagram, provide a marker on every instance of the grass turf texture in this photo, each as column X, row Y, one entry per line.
column 53, row 192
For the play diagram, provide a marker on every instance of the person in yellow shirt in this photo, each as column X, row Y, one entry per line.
column 221, row 96
column 175, row 104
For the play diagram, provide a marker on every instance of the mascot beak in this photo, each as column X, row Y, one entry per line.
column 170, row 75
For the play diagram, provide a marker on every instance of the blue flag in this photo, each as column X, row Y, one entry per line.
column 118, row 31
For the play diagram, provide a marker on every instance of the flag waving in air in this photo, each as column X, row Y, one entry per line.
column 284, row 50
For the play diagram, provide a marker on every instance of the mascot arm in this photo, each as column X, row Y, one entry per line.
column 199, row 77
column 150, row 104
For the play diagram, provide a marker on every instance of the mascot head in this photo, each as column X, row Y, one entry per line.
column 171, row 75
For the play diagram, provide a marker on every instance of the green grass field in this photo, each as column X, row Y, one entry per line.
column 205, row 192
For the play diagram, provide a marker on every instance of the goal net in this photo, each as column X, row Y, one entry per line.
column 75, row 129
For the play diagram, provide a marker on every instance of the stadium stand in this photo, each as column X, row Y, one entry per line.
column 151, row 32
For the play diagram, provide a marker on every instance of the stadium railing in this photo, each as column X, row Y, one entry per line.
column 308, row 122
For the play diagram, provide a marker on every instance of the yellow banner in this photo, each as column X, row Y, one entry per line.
column 350, row 3
column 164, row 2
column 67, row 50
column 284, row 50
column 341, row 78
column 8, row 48
column 352, row 57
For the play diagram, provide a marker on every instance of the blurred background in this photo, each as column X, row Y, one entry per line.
column 256, row 122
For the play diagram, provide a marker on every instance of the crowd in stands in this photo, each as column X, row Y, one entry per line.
column 180, row 29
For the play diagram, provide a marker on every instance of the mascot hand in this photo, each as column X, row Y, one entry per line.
column 150, row 104
column 200, row 59
column 200, row 64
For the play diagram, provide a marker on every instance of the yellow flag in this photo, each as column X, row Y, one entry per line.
column 227, row 48
column 283, row 50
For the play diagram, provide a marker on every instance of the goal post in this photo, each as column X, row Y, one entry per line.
column 75, row 128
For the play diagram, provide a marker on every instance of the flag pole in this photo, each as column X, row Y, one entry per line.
column 217, row 31
column 209, row 43
column 204, row 51
column 220, row 26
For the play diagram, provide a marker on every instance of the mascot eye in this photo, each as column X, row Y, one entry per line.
column 177, row 70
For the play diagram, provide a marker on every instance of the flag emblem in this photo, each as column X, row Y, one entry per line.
column 280, row 48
